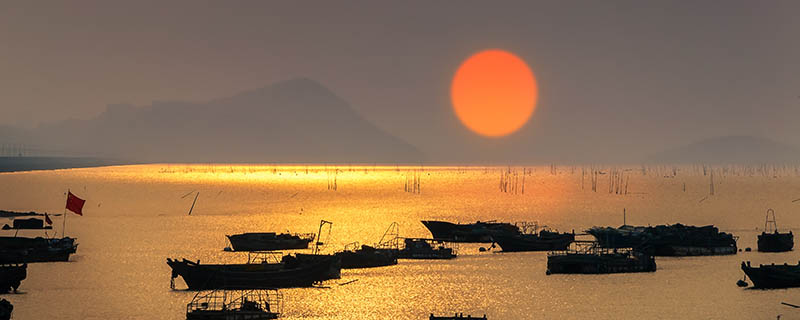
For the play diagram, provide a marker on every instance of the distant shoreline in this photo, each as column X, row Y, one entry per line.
column 18, row 164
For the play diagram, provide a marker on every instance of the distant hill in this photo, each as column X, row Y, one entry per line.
column 730, row 149
column 292, row 121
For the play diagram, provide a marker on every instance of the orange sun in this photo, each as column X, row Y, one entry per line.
column 494, row 93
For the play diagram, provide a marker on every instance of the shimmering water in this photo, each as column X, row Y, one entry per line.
column 136, row 217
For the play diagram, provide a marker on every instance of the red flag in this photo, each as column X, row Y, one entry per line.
column 75, row 204
column 47, row 219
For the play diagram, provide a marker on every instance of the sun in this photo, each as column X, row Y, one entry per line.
column 494, row 93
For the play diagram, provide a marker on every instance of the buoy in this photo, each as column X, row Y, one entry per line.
column 741, row 283
column 481, row 249
column 747, row 249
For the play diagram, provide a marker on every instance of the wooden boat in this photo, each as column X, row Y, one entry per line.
column 773, row 275
column 419, row 248
column 291, row 271
column 770, row 240
column 534, row 238
column 235, row 305
column 668, row 240
column 11, row 275
column 269, row 241
column 27, row 250
column 384, row 253
column 480, row 231
column 589, row 257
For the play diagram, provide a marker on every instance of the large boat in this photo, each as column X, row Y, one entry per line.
column 11, row 275
column 770, row 240
column 664, row 240
column 417, row 248
column 534, row 238
column 235, row 305
column 269, row 241
column 589, row 257
column 472, row 232
column 773, row 276
column 26, row 250
column 291, row 271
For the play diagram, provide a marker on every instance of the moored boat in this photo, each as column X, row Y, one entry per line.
column 235, row 305
column 418, row 248
column 773, row 276
column 291, row 271
column 770, row 240
column 11, row 275
column 26, row 250
column 664, row 240
column 471, row 232
column 588, row 257
column 269, row 241
column 534, row 238
column 384, row 253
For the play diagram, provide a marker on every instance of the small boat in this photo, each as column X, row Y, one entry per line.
column 6, row 308
column 235, row 305
column 11, row 275
column 472, row 232
column 27, row 250
column 589, row 257
column 384, row 253
column 773, row 276
column 291, row 271
column 770, row 240
column 534, row 238
column 269, row 241
column 457, row 317
column 419, row 248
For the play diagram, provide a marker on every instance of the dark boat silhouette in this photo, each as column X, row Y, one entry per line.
column 269, row 241
column 588, row 257
column 773, row 276
column 472, row 232
column 664, row 240
column 11, row 275
column 235, row 305
column 291, row 271
column 418, row 248
column 384, row 253
column 26, row 250
column 770, row 240
column 457, row 317
column 534, row 238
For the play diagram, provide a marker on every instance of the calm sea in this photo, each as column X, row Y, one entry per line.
column 136, row 217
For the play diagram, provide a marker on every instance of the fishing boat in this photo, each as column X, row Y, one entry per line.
column 11, row 275
column 668, row 240
column 290, row 271
column 235, row 305
column 269, row 241
column 420, row 248
column 472, row 232
column 589, row 257
column 770, row 240
column 384, row 253
column 534, row 238
column 39, row 249
column 773, row 275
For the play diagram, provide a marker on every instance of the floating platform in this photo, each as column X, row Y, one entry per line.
column 588, row 257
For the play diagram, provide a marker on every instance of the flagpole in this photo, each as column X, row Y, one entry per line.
column 64, row 223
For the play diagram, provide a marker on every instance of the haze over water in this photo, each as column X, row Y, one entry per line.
column 136, row 217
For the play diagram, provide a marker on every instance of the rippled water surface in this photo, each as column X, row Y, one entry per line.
column 136, row 217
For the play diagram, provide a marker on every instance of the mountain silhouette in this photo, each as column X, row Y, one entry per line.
column 730, row 150
column 293, row 121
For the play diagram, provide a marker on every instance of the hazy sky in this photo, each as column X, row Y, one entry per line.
column 616, row 78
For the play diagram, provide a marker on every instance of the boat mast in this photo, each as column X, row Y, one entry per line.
column 64, row 221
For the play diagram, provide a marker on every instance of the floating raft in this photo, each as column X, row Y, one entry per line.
column 588, row 257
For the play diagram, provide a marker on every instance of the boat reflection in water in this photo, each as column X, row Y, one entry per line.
column 235, row 305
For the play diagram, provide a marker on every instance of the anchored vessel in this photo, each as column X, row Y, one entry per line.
column 417, row 248
column 589, row 257
column 269, row 241
column 473, row 232
column 770, row 240
column 382, row 254
column 663, row 240
column 534, row 238
column 11, row 275
column 773, row 276
column 23, row 249
column 235, row 305
column 291, row 271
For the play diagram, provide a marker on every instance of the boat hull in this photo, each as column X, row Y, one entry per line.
column 369, row 258
column 535, row 242
column 297, row 273
column 479, row 232
column 773, row 276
